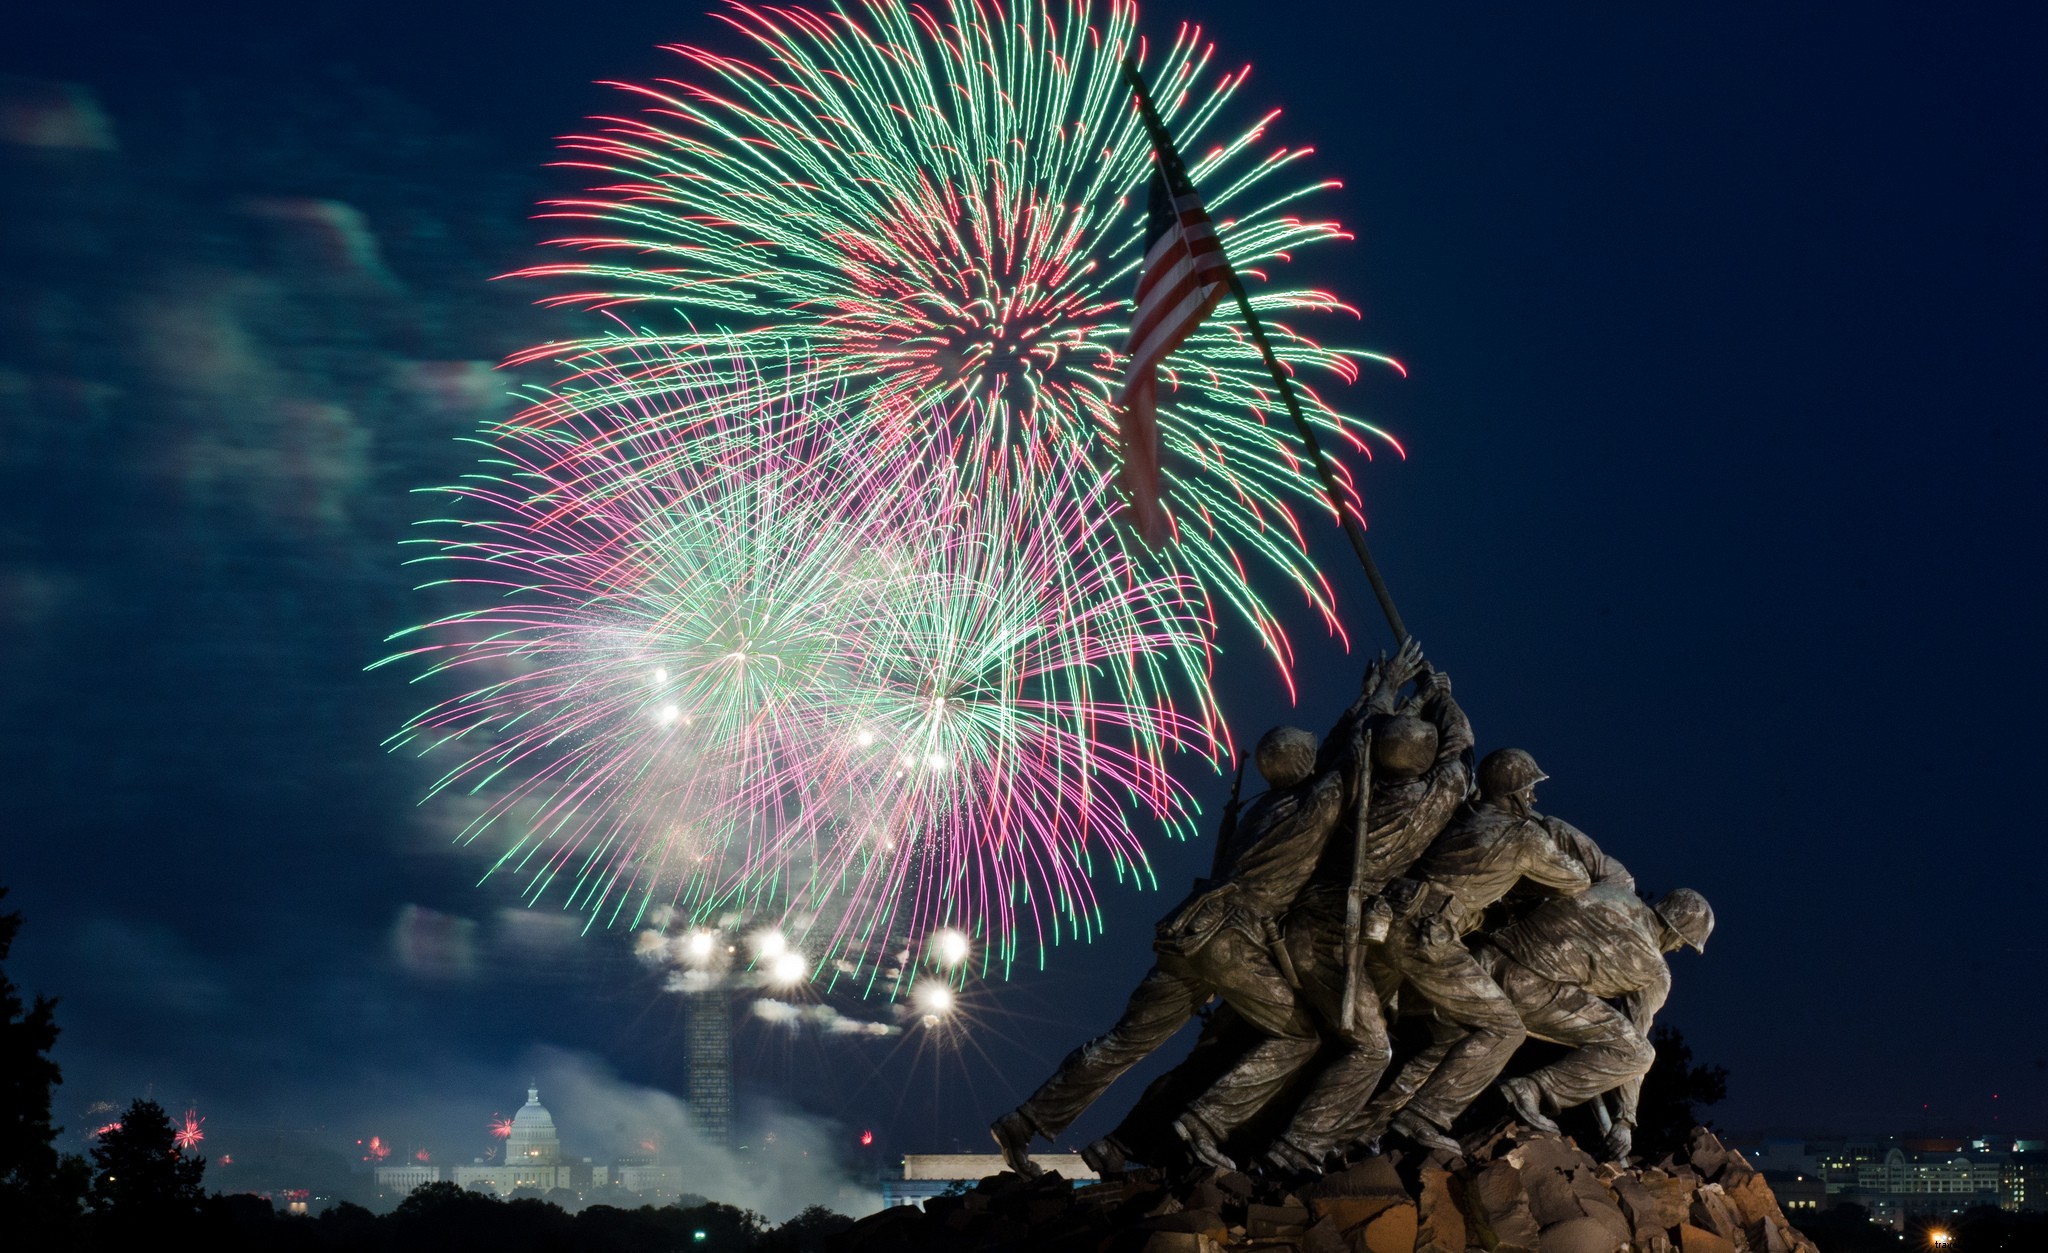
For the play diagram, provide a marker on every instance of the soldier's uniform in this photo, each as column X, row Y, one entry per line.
column 1218, row 943
column 1404, row 816
column 1485, row 852
column 1559, row 963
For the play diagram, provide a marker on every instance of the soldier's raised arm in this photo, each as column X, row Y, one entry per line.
column 1379, row 694
column 1454, row 737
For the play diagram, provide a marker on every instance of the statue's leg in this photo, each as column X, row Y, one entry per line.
column 1608, row 1052
column 1245, row 975
column 1146, row 1132
column 1443, row 972
column 1333, row 1112
column 1167, row 997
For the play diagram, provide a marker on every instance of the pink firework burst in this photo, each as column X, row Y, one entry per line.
column 189, row 1134
column 501, row 1126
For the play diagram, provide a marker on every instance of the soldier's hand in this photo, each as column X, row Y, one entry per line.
column 1371, row 680
column 1408, row 662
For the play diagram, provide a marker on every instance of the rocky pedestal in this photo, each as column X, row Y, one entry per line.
column 1518, row 1192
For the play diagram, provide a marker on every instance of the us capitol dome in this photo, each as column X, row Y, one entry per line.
column 533, row 1141
column 531, row 1158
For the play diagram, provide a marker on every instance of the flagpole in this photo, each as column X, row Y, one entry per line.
column 1162, row 146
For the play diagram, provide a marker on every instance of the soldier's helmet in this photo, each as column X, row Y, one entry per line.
column 1286, row 756
column 1403, row 745
column 1687, row 912
column 1506, row 771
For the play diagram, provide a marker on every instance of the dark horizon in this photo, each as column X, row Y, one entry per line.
column 1721, row 488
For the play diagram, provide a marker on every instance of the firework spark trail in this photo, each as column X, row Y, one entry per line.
column 189, row 1134
column 736, row 659
column 945, row 202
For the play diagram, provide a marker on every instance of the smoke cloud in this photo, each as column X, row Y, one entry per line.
column 791, row 1160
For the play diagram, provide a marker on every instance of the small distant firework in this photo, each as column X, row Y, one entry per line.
column 105, row 1129
column 501, row 1126
column 189, row 1134
column 421, row 1156
column 375, row 1150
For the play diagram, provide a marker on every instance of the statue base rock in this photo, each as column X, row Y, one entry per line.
column 1516, row 1191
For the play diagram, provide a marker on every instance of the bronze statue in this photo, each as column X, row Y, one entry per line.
column 1362, row 876
column 1560, row 963
column 1492, row 845
column 1216, row 943
column 1421, row 771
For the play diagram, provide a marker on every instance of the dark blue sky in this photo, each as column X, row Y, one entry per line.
column 1724, row 328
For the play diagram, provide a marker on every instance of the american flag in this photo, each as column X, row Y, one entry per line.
column 1183, row 277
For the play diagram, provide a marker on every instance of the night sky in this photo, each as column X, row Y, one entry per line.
column 1724, row 328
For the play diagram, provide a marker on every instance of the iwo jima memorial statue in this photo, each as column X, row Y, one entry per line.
column 1384, row 887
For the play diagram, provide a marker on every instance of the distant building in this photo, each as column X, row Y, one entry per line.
column 2025, row 1186
column 1944, row 1173
column 533, row 1158
column 401, row 1180
column 1798, row 1192
column 707, row 1027
column 651, row 1181
column 1839, row 1161
column 926, row 1175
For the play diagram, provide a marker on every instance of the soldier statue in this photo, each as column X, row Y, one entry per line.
column 1219, row 942
column 1560, row 963
column 1368, row 873
column 1421, row 772
column 1494, row 844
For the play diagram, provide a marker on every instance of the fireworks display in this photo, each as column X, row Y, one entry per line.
column 870, row 702
column 189, row 1134
column 947, row 202
column 823, row 619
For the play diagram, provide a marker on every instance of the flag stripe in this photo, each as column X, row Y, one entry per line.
column 1179, row 282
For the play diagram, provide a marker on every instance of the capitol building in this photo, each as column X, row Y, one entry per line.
column 533, row 1159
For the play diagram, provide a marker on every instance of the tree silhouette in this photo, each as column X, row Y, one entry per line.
column 811, row 1231
column 38, row 1188
column 1673, row 1093
column 139, row 1174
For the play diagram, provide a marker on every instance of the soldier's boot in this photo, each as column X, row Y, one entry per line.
column 1012, row 1133
column 1290, row 1158
column 1425, row 1133
column 1201, row 1141
column 1527, row 1100
column 1106, row 1157
column 1620, row 1142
